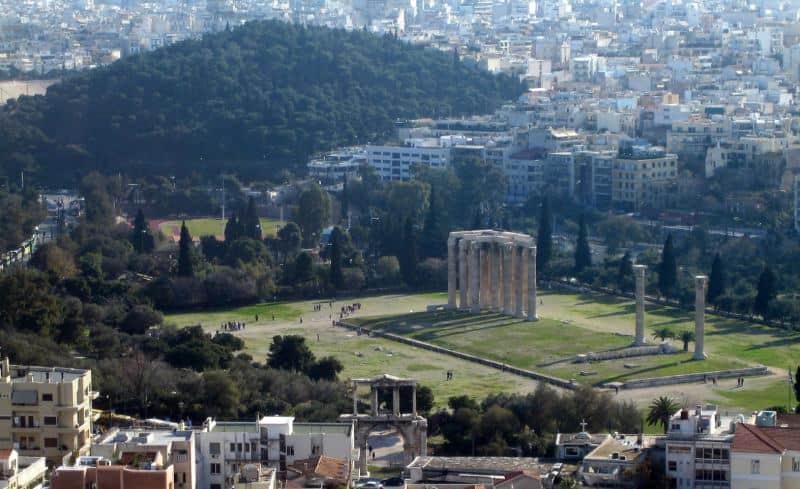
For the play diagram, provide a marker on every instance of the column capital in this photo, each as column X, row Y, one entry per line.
column 452, row 240
column 701, row 280
column 463, row 244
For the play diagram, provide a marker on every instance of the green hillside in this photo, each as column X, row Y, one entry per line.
column 256, row 99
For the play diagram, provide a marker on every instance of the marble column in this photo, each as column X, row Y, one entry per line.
column 638, row 273
column 532, row 316
column 507, row 279
column 414, row 400
column 495, row 277
column 700, row 283
column 396, row 401
column 474, row 277
column 463, row 288
column 519, row 265
column 374, row 401
column 452, row 271
column 355, row 399
column 486, row 290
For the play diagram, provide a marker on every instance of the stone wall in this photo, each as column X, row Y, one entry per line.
column 465, row 356
column 691, row 378
column 634, row 351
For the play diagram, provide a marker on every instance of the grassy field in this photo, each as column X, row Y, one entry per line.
column 570, row 324
column 210, row 227
column 362, row 356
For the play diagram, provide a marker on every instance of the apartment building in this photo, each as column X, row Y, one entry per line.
column 224, row 449
column 18, row 472
column 696, row 136
column 643, row 177
column 149, row 476
column 766, row 455
column 698, row 449
column 524, row 173
column 45, row 411
column 396, row 162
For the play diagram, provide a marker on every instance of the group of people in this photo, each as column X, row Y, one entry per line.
column 348, row 310
column 233, row 326
column 449, row 375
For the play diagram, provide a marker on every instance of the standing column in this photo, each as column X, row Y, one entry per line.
column 495, row 277
column 486, row 290
column 374, row 400
column 463, row 247
column 507, row 268
column 475, row 277
column 532, row 284
column 396, row 400
column 700, row 283
column 414, row 399
column 355, row 399
column 518, row 267
column 638, row 273
column 452, row 271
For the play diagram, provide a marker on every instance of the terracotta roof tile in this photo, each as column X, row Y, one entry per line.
column 759, row 439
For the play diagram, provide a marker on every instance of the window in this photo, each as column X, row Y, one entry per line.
column 50, row 442
column 755, row 466
column 216, row 486
column 253, row 446
column 213, row 448
column 47, row 397
column 50, row 420
column 795, row 464
column 672, row 465
column 290, row 450
column 238, row 447
column 215, row 468
column 233, row 447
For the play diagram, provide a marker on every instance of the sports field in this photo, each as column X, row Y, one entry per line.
column 569, row 324
column 208, row 226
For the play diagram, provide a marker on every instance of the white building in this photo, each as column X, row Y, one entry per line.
column 396, row 162
column 698, row 446
column 225, row 448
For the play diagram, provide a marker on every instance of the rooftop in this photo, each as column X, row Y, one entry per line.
column 328, row 428
column 149, row 437
column 236, row 427
column 479, row 465
column 25, row 373
column 765, row 439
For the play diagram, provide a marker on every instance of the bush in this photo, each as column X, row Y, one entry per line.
column 139, row 319
column 432, row 273
column 387, row 270
column 353, row 278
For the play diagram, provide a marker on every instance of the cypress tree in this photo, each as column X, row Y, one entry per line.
column 667, row 269
column 767, row 291
column 232, row 232
column 716, row 280
column 141, row 239
column 336, row 276
column 544, row 238
column 583, row 254
column 252, row 223
column 408, row 254
column 432, row 243
column 185, row 264
column 345, row 201
column 797, row 386
column 625, row 272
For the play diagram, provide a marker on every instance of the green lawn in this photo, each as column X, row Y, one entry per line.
column 211, row 227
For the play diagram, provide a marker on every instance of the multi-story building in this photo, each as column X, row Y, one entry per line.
column 765, row 455
column 45, row 411
column 224, row 448
column 594, row 171
column 395, row 162
column 698, row 446
column 524, row 174
column 797, row 203
column 337, row 166
column 643, row 177
column 20, row 472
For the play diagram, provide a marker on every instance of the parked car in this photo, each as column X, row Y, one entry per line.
column 371, row 484
column 393, row 482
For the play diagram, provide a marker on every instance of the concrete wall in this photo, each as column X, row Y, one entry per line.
column 691, row 378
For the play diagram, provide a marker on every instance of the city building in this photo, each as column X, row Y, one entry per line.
column 643, row 177
column 396, row 162
column 616, row 462
column 765, row 455
column 18, row 472
column 45, row 411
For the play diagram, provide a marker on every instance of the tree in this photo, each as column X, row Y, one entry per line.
column 303, row 267
column 796, row 385
column 660, row 410
column 336, row 276
column 686, row 337
column 345, row 201
column 233, row 229
column 291, row 353
column 252, row 223
column 141, row 239
column 433, row 238
column 625, row 272
column 766, row 292
column 583, row 254
column 716, row 280
column 220, row 394
column 290, row 240
column 408, row 256
column 667, row 269
column 185, row 258
column 140, row 319
column 664, row 334
column 313, row 212
column 326, row 368
column 544, row 237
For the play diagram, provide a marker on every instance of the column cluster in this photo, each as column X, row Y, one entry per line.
column 491, row 270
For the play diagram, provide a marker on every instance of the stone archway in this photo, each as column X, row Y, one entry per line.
column 412, row 428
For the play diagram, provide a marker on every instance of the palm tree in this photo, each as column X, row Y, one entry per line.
column 664, row 334
column 660, row 411
column 686, row 337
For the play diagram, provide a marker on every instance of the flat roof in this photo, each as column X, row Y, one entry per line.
column 235, row 427
column 19, row 373
column 276, row 420
column 307, row 428
column 146, row 437
column 480, row 465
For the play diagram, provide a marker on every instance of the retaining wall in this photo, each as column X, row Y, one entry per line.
column 692, row 378
column 633, row 351
column 465, row 356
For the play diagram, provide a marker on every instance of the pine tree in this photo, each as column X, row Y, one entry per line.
column 432, row 238
column 625, row 272
column 667, row 269
column 716, row 280
column 232, row 229
column 544, row 238
column 336, row 276
column 408, row 254
column 583, row 254
column 185, row 263
column 797, row 386
column 141, row 239
column 767, row 291
column 252, row 224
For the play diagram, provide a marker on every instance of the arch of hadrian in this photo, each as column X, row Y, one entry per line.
column 492, row 270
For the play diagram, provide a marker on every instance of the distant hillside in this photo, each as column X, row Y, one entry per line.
column 255, row 100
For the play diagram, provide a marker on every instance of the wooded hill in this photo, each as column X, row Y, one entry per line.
column 254, row 100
